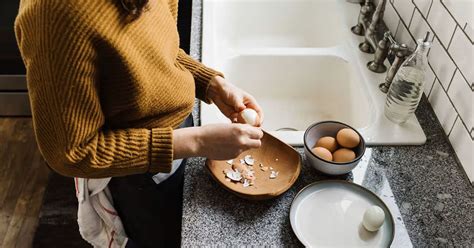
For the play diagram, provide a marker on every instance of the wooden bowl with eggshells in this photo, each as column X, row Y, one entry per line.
column 265, row 172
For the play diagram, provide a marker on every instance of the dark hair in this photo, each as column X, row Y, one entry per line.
column 134, row 8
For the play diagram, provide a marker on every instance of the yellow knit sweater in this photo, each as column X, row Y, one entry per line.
column 105, row 92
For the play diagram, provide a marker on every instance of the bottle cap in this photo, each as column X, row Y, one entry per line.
column 424, row 42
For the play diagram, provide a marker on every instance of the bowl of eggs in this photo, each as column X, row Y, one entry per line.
column 333, row 147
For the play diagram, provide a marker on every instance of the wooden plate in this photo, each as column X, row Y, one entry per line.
column 273, row 153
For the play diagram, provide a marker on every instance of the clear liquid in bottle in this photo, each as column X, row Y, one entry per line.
column 406, row 89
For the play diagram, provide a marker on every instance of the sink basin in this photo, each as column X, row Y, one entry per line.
column 302, row 64
column 271, row 23
column 301, row 88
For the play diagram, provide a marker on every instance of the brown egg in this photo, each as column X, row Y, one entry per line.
column 327, row 142
column 347, row 138
column 322, row 153
column 343, row 155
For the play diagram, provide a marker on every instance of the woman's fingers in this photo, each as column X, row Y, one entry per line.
column 250, row 135
column 223, row 141
column 231, row 101
column 254, row 143
column 234, row 117
column 238, row 102
column 260, row 115
column 254, row 132
column 226, row 109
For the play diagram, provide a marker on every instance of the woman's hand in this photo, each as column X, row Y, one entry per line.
column 231, row 100
column 215, row 141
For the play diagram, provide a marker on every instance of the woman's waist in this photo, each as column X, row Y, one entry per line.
column 174, row 119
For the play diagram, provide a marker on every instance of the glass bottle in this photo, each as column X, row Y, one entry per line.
column 406, row 89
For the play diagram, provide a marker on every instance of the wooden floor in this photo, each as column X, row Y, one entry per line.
column 23, row 179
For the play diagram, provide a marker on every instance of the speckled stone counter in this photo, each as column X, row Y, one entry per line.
column 433, row 197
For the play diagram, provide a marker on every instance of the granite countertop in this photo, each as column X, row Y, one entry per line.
column 432, row 197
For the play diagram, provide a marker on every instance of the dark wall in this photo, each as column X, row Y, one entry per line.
column 184, row 23
column 10, row 59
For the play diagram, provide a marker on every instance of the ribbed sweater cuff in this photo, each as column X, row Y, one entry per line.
column 161, row 150
column 203, row 76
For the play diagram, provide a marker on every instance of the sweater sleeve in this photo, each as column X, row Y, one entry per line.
column 202, row 74
column 61, row 62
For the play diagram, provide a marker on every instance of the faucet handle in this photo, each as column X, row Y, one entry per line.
column 400, row 50
column 390, row 37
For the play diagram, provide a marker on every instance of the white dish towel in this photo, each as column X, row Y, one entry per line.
column 99, row 223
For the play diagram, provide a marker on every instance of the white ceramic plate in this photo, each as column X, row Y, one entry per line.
column 329, row 214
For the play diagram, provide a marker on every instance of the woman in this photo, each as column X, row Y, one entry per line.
column 109, row 88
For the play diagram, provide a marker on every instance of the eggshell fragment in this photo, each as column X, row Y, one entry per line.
column 234, row 175
column 347, row 138
column 273, row 174
column 327, row 142
column 249, row 160
column 239, row 167
column 323, row 153
column 343, row 155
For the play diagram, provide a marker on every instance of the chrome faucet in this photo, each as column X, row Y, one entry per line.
column 381, row 54
column 376, row 28
column 365, row 16
column 378, row 40
column 401, row 52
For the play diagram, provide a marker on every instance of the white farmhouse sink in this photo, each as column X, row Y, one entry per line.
column 302, row 63
column 269, row 23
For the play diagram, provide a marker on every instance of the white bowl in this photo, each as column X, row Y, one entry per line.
column 330, row 128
